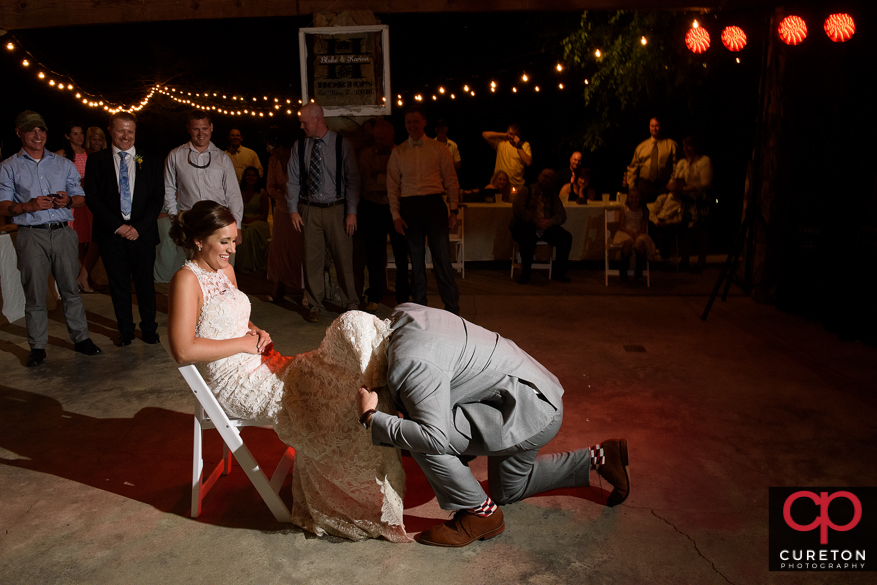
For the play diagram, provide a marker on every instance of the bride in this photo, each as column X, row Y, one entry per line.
column 342, row 484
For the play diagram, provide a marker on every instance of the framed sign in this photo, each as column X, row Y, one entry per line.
column 346, row 69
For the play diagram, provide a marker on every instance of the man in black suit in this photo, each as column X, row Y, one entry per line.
column 126, row 189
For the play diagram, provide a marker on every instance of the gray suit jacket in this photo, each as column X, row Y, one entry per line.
column 461, row 387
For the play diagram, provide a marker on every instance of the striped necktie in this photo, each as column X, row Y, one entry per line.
column 315, row 176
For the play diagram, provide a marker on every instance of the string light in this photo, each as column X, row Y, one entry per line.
column 559, row 85
column 694, row 24
column 643, row 41
column 524, row 78
column 559, row 67
column 26, row 63
column 597, row 53
column 536, row 88
column 10, row 46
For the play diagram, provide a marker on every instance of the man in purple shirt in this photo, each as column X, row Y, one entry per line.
column 38, row 190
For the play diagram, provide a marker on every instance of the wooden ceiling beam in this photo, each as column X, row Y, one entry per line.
column 26, row 14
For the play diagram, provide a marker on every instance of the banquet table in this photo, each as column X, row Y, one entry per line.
column 487, row 235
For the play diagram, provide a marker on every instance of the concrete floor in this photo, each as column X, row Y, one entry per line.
column 95, row 453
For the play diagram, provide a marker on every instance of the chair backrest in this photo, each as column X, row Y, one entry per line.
column 611, row 219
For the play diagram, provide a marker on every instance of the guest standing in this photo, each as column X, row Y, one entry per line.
column 195, row 171
column 322, row 195
column 653, row 162
column 77, row 153
column 693, row 181
column 376, row 220
column 252, row 254
column 125, row 187
column 241, row 156
column 419, row 172
column 38, row 190
column 513, row 155
column 285, row 252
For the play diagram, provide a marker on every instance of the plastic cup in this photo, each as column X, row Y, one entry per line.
column 605, row 198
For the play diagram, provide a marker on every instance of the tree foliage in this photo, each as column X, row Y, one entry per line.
column 629, row 74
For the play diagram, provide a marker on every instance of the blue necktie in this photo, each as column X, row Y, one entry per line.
column 124, row 184
column 316, row 174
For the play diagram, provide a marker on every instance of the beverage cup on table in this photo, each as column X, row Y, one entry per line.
column 605, row 198
column 621, row 198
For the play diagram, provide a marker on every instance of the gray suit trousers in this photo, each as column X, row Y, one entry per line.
column 513, row 474
column 41, row 252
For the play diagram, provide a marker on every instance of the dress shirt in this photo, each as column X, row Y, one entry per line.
column 132, row 168
column 418, row 168
column 641, row 163
column 243, row 158
column 186, row 185
column 455, row 150
column 508, row 160
column 668, row 209
column 349, row 168
column 373, row 172
column 698, row 174
column 23, row 178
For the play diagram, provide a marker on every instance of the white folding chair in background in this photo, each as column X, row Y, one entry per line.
column 210, row 415
column 611, row 217
column 537, row 265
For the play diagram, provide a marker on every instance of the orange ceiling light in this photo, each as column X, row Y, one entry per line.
column 697, row 40
column 840, row 27
column 733, row 38
column 792, row 30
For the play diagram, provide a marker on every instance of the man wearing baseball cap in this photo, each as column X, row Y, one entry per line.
column 38, row 189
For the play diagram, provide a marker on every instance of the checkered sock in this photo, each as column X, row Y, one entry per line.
column 484, row 510
column 597, row 456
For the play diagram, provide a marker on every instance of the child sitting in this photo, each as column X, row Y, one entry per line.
column 633, row 235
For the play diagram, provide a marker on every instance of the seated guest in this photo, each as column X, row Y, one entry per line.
column 692, row 181
column 667, row 214
column 579, row 192
column 569, row 175
column 499, row 182
column 633, row 234
column 252, row 254
column 538, row 215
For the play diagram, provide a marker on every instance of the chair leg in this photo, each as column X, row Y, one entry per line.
column 282, row 470
column 197, row 469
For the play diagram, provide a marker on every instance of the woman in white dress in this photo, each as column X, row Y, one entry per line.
column 342, row 484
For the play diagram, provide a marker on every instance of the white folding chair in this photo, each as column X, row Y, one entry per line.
column 516, row 258
column 458, row 249
column 611, row 217
column 210, row 415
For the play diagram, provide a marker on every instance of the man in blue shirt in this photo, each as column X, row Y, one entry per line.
column 38, row 189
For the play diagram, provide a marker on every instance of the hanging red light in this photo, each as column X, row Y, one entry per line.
column 840, row 27
column 733, row 38
column 792, row 30
column 697, row 40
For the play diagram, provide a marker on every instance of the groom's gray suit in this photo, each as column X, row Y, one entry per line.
column 466, row 391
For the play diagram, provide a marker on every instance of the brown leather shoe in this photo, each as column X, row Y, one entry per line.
column 616, row 470
column 464, row 528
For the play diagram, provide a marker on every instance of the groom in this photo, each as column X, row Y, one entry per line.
column 465, row 391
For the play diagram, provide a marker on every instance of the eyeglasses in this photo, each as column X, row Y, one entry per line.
column 197, row 166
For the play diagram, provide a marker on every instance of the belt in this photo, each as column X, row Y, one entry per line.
column 55, row 225
column 321, row 205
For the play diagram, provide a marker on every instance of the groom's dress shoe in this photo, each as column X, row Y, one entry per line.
column 616, row 470
column 464, row 528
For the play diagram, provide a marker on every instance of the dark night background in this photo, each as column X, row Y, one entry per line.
column 826, row 232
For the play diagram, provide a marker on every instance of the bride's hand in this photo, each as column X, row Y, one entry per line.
column 263, row 340
column 366, row 400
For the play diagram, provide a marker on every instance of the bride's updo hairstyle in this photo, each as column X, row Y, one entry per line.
column 199, row 223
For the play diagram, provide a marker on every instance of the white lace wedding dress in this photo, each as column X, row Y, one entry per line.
column 342, row 484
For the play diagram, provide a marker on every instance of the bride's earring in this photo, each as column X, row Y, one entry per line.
column 199, row 247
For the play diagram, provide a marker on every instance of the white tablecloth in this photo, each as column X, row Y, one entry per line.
column 488, row 237
column 11, row 293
